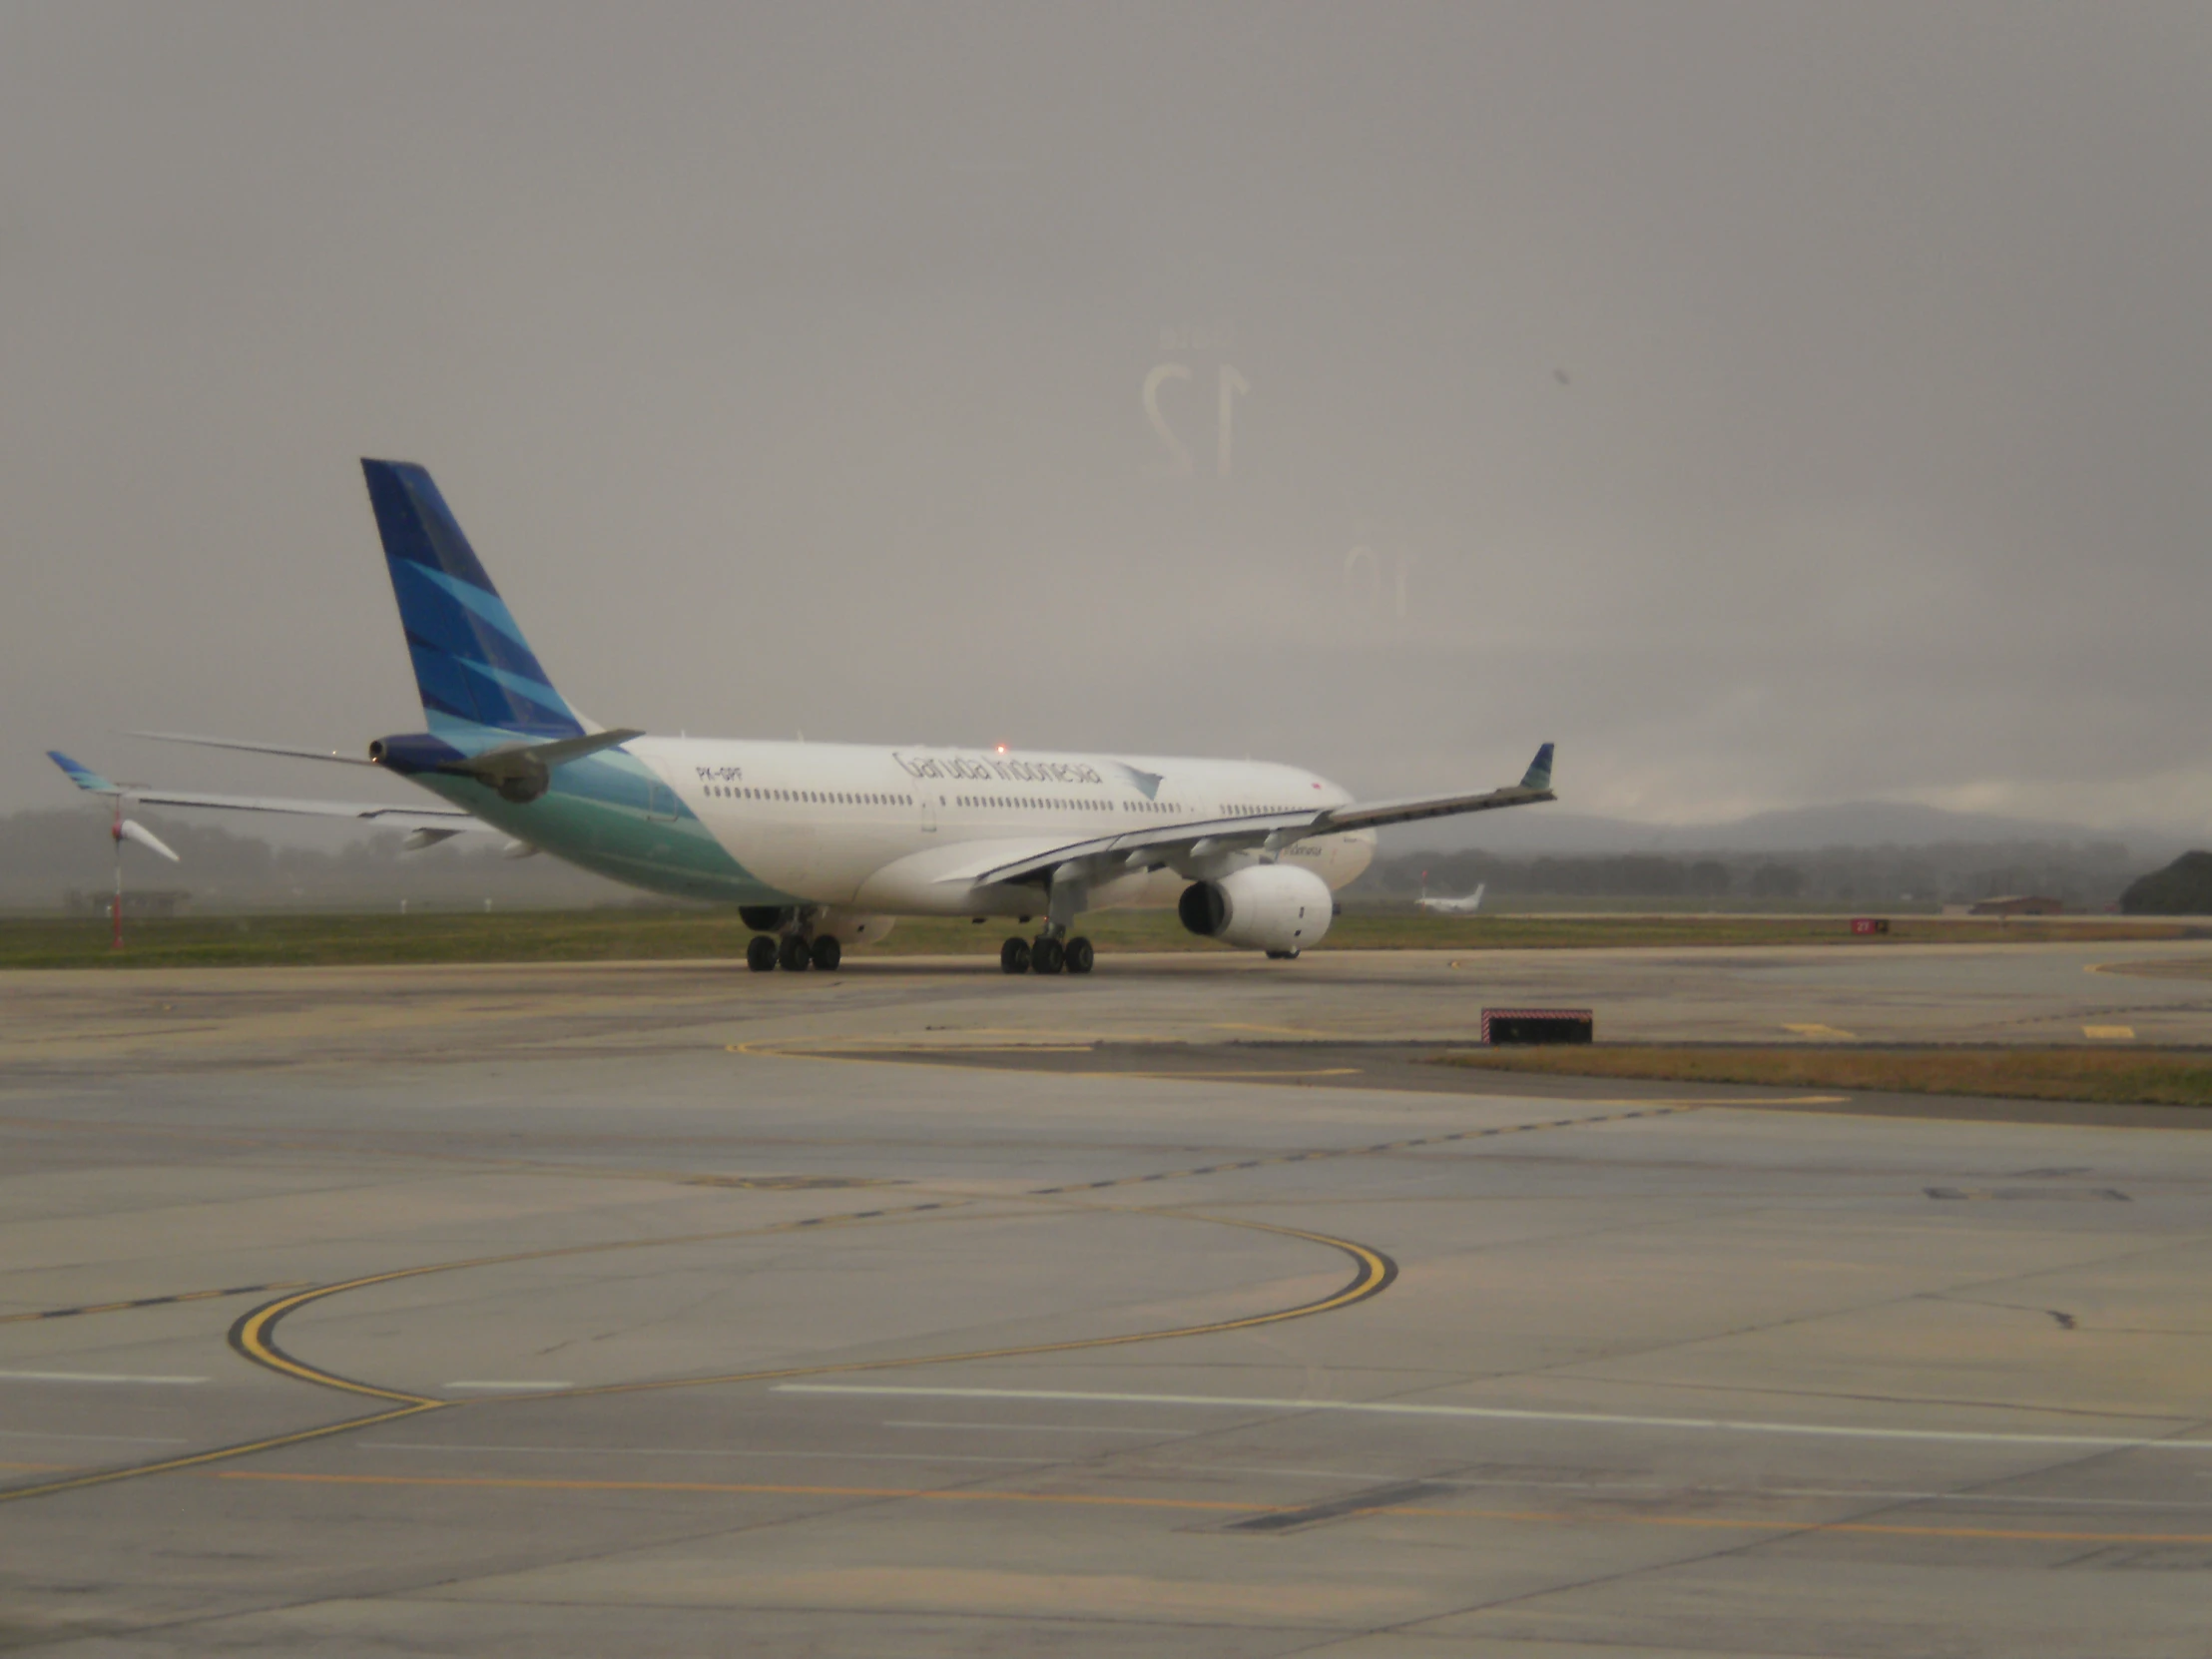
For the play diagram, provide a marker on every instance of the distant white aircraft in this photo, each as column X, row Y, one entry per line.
column 1452, row 906
column 822, row 845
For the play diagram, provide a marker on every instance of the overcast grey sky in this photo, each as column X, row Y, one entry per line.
column 1770, row 403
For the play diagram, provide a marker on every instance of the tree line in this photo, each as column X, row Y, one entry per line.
column 2086, row 876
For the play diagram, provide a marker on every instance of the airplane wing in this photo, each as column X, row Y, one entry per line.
column 441, row 821
column 1269, row 830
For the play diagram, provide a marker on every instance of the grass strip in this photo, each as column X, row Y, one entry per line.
column 2106, row 1076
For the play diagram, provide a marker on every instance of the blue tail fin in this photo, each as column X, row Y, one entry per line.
column 472, row 663
column 82, row 776
column 1538, row 776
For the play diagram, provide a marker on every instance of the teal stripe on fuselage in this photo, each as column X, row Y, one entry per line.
column 601, row 813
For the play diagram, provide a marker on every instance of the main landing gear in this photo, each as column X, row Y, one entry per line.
column 1048, row 955
column 793, row 952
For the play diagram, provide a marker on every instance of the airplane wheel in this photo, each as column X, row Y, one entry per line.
column 793, row 954
column 1013, row 956
column 760, row 955
column 1079, row 955
column 1282, row 955
column 1046, row 956
column 827, row 954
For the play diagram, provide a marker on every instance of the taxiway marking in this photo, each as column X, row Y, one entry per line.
column 1028, row 1427
column 252, row 1334
column 1968, row 1498
column 216, row 1454
column 252, row 1337
column 506, row 1387
column 1109, row 1500
column 1652, row 1109
column 149, row 1302
column 1205, row 1076
column 454, row 1448
column 1373, row 1274
column 1000, row 1048
column 1501, row 1414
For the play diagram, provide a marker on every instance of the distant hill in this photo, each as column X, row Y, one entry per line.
column 2182, row 888
column 1865, row 824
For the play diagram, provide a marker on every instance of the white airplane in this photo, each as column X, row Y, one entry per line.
column 1452, row 906
column 821, row 846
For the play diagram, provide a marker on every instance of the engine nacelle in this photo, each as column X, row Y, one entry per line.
column 1278, row 909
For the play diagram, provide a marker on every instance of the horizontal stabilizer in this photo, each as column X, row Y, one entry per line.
column 257, row 748
column 516, row 763
column 516, row 770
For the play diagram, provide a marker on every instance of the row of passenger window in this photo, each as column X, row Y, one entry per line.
column 1050, row 804
column 1031, row 803
column 818, row 798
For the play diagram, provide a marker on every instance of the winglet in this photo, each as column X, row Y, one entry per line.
column 1538, row 776
column 83, row 776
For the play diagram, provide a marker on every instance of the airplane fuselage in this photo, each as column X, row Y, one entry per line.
column 886, row 830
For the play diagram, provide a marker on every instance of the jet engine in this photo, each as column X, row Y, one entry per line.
column 1278, row 909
